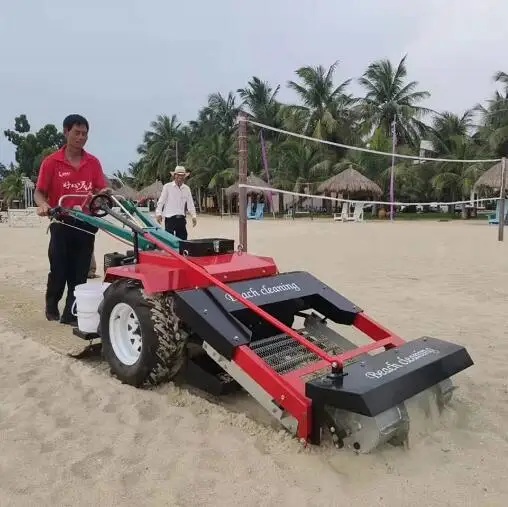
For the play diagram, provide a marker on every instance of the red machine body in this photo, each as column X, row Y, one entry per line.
column 160, row 271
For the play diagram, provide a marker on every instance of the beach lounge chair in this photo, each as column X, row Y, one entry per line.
column 494, row 218
column 357, row 213
column 343, row 215
column 259, row 214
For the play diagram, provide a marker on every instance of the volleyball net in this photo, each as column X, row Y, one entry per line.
column 290, row 197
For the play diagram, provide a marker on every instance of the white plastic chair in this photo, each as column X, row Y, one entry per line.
column 357, row 213
column 343, row 216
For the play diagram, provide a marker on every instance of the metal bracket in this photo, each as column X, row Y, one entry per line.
column 253, row 388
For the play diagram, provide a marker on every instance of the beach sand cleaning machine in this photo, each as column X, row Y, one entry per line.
column 223, row 320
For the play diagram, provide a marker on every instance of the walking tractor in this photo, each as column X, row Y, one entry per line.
column 224, row 319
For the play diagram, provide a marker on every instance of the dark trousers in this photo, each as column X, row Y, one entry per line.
column 70, row 252
column 177, row 226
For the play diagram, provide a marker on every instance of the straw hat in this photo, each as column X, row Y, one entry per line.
column 180, row 169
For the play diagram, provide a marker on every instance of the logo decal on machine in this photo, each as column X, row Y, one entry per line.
column 264, row 290
column 401, row 362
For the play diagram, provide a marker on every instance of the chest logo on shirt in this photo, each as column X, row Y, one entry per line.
column 78, row 186
column 64, row 174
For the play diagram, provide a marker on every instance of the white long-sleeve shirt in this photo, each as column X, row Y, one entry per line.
column 173, row 199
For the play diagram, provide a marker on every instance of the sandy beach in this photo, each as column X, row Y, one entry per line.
column 72, row 435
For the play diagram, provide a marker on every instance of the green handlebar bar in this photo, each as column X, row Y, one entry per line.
column 127, row 235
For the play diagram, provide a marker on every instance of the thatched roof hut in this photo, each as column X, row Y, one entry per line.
column 152, row 191
column 251, row 180
column 121, row 188
column 129, row 193
column 348, row 182
column 491, row 178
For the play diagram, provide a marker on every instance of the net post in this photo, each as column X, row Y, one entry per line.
column 500, row 236
column 242, row 178
column 392, row 169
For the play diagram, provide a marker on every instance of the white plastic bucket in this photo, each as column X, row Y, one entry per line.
column 85, row 308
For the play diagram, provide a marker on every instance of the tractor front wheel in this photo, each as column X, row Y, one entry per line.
column 141, row 336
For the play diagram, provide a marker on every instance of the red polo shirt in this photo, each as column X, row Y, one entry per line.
column 58, row 177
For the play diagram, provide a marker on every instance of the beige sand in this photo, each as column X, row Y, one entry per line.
column 70, row 434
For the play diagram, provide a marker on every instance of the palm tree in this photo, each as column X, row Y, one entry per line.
column 502, row 77
column 220, row 114
column 12, row 187
column 209, row 145
column 493, row 128
column 389, row 97
column 452, row 139
column 413, row 182
column 135, row 174
column 325, row 106
column 125, row 177
column 159, row 148
column 371, row 165
column 455, row 180
column 210, row 163
column 448, row 126
column 3, row 171
column 262, row 104
column 298, row 162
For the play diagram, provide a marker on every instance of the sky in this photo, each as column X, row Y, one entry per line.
column 121, row 63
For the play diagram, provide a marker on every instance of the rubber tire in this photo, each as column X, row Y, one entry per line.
column 163, row 342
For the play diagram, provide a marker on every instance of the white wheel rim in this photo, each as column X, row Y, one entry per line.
column 125, row 334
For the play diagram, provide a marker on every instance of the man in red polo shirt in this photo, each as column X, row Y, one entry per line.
column 70, row 170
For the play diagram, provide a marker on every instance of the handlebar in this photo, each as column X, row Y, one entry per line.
column 98, row 204
column 88, row 197
column 66, row 196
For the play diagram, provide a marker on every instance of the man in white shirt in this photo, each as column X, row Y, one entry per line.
column 171, row 204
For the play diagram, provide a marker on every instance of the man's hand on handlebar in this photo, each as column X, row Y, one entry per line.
column 43, row 209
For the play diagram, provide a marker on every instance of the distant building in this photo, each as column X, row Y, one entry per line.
column 426, row 150
column 27, row 182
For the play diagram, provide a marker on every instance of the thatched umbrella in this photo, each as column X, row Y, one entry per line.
column 351, row 183
column 348, row 182
column 234, row 190
column 251, row 180
column 490, row 178
column 121, row 188
column 152, row 191
column 129, row 193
